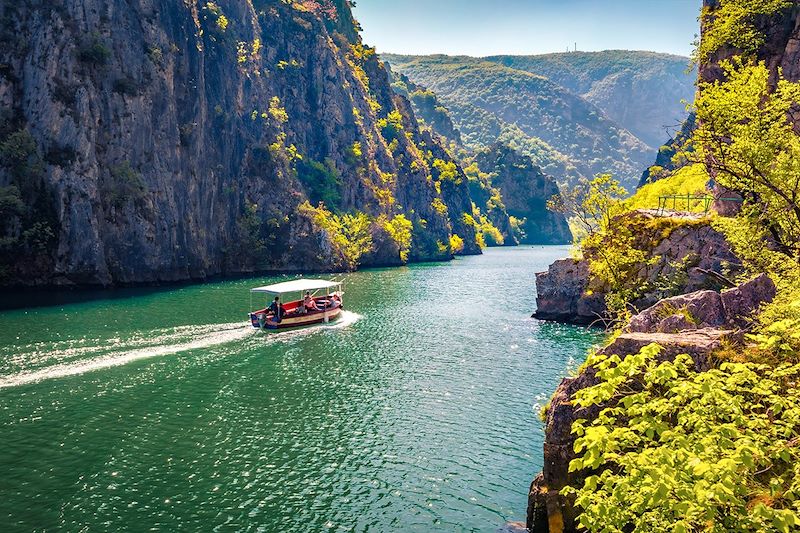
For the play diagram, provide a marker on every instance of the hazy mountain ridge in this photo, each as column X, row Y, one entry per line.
column 624, row 84
column 561, row 119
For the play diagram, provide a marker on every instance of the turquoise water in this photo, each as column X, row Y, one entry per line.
column 162, row 409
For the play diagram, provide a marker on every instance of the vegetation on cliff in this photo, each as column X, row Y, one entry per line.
column 191, row 145
column 561, row 132
column 672, row 445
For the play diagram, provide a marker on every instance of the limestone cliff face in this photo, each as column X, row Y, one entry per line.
column 525, row 190
column 150, row 141
column 716, row 317
column 685, row 257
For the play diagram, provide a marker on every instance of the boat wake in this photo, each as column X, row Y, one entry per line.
column 143, row 346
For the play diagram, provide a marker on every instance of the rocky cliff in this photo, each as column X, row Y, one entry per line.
column 146, row 141
column 525, row 192
column 680, row 256
column 696, row 324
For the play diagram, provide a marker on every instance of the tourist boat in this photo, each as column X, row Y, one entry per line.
column 327, row 296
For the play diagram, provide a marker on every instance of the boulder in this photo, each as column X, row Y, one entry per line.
column 741, row 302
column 703, row 308
column 513, row 527
column 675, row 323
column 562, row 294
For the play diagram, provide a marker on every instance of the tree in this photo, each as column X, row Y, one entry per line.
column 746, row 139
column 592, row 205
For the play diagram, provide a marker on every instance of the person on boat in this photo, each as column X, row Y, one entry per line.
column 309, row 304
column 336, row 301
column 276, row 309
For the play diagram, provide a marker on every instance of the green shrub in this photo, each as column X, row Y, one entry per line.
column 124, row 185
column 400, row 230
column 676, row 450
column 350, row 234
column 94, row 50
column 20, row 154
column 321, row 182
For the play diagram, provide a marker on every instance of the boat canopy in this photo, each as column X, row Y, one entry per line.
column 298, row 285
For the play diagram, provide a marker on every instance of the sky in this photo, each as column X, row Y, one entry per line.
column 488, row 27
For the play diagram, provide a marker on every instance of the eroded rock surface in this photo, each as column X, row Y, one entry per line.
column 159, row 141
column 696, row 324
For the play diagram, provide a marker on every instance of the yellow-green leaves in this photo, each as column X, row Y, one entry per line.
column 732, row 24
column 676, row 450
column 746, row 138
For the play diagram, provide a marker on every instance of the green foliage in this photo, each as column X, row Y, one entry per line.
column 124, row 185
column 251, row 242
column 321, row 182
column 531, row 104
column 594, row 205
column 731, row 24
column 447, row 171
column 456, row 244
column 350, row 234
column 392, row 126
column 94, row 50
column 439, row 206
column 745, row 137
column 19, row 153
column 689, row 180
column 11, row 204
column 400, row 230
column 675, row 450
column 277, row 112
column 354, row 154
column 518, row 227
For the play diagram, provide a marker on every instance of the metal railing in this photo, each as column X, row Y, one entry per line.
column 691, row 200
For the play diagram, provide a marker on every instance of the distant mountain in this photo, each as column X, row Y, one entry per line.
column 573, row 118
column 563, row 133
column 641, row 91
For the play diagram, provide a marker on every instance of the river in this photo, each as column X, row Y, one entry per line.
column 161, row 409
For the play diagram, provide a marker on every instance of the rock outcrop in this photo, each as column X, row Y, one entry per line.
column 157, row 141
column 561, row 294
column 687, row 255
column 712, row 322
column 525, row 192
column 706, row 309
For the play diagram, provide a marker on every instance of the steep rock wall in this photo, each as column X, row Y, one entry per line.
column 157, row 141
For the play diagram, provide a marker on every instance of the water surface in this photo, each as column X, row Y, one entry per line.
column 161, row 409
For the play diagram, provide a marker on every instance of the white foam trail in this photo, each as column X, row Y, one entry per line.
column 216, row 335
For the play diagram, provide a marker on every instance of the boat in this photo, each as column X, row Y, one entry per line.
column 327, row 296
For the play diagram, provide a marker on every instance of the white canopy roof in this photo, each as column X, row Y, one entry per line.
column 298, row 285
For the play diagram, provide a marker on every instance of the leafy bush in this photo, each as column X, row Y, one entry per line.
column 690, row 180
column 732, row 24
column 19, row 153
column 94, row 50
column 321, row 182
column 456, row 244
column 745, row 137
column 392, row 126
column 400, row 230
column 675, row 450
column 124, row 185
column 350, row 234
